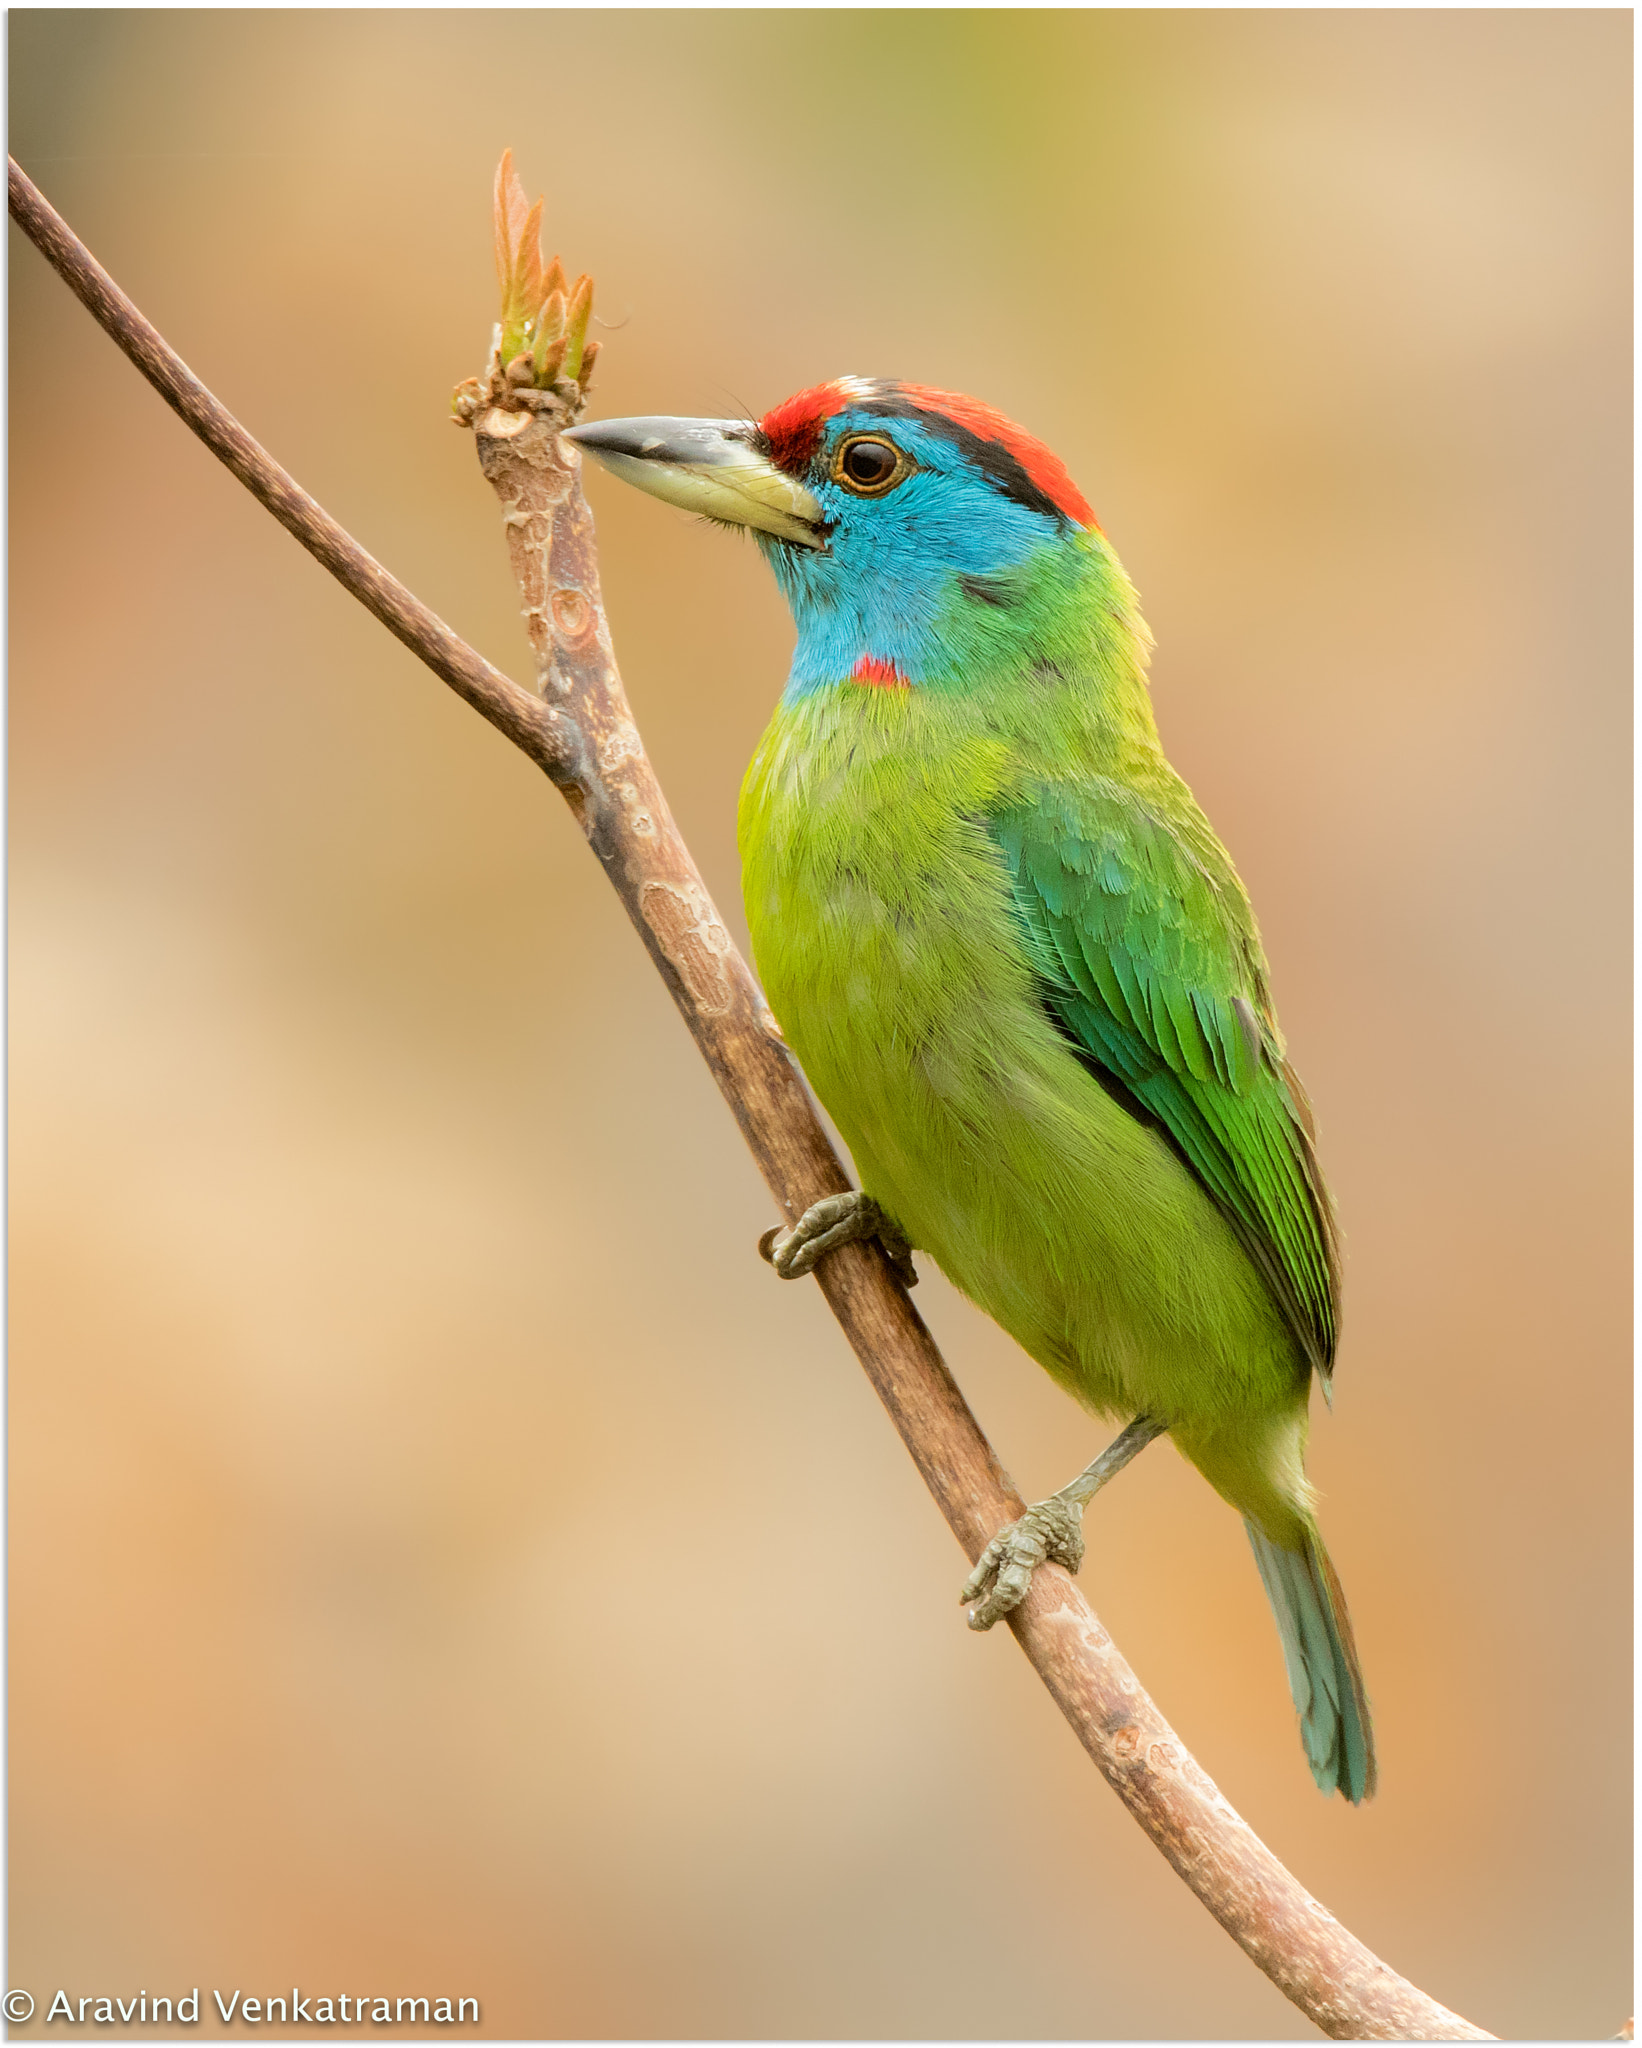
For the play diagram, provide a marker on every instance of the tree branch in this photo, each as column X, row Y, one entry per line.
column 579, row 730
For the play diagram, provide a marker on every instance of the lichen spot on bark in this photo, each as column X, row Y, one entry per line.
column 695, row 943
column 621, row 743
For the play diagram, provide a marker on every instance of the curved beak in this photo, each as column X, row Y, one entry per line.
column 707, row 466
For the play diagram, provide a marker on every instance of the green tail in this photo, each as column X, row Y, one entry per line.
column 1321, row 1656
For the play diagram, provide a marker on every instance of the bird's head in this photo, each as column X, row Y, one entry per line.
column 910, row 529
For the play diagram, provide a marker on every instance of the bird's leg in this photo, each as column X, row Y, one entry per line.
column 836, row 1220
column 1051, row 1529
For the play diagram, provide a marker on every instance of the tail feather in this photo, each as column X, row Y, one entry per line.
column 1321, row 1655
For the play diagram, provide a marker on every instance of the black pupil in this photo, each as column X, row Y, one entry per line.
column 868, row 462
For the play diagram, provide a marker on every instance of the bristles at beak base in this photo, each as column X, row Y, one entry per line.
column 707, row 466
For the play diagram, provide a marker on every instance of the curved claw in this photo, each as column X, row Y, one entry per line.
column 835, row 1220
column 1051, row 1529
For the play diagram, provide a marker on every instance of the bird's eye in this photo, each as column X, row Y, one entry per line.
column 869, row 465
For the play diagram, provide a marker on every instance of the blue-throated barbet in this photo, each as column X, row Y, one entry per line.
column 1021, row 971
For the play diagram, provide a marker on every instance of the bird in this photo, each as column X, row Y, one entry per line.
column 1021, row 972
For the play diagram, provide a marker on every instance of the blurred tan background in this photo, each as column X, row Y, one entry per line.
column 443, row 1559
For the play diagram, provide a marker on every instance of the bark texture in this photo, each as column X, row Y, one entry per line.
column 577, row 726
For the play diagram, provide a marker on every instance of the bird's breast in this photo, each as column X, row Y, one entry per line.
column 881, row 915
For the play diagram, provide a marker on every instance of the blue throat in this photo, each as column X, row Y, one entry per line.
column 894, row 565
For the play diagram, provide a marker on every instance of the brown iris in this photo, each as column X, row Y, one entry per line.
column 869, row 465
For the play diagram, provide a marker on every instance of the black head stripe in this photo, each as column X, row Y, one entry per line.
column 1001, row 469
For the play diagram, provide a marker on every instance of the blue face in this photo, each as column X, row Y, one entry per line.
column 911, row 514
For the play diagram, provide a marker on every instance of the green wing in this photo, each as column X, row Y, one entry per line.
column 1149, row 963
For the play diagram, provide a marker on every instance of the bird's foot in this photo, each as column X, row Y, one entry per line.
column 1050, row 1530
column 1053, row 1529
column 825, row 1225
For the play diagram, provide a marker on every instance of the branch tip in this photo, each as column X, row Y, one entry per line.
column 544, row 317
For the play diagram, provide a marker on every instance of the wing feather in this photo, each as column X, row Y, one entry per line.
column 1149, row 963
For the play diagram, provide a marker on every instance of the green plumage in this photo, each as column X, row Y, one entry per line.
column 1020, row 970
column 1022, row 974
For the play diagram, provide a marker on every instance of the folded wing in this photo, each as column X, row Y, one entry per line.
column 1149, row 963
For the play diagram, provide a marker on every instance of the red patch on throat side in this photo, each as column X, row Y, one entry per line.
column 878, row 675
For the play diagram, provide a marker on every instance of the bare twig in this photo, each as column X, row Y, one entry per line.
column 580, row 731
